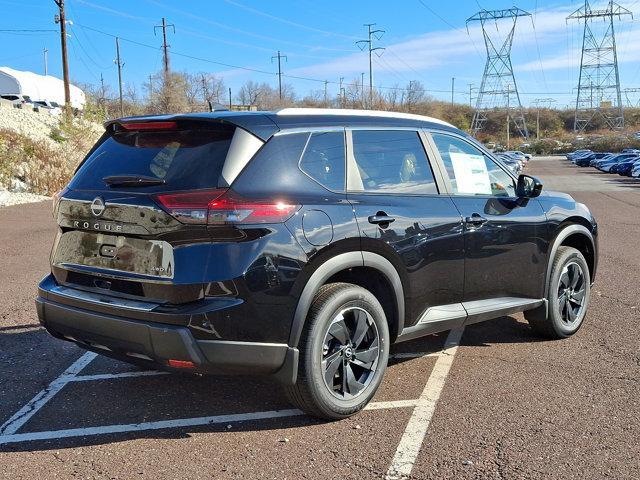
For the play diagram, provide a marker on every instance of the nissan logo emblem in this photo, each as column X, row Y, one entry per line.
column 97, row 206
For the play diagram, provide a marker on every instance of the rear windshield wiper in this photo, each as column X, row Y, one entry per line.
column 132, row 181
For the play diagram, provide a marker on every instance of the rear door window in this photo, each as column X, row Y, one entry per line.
column 324, row 160
column 392, row 161
column 187, row 158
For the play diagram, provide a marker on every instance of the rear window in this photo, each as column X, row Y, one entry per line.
column 186, row 158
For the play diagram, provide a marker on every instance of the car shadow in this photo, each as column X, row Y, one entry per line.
column 151, row 398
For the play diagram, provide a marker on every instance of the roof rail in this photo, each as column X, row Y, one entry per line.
column 360, row 113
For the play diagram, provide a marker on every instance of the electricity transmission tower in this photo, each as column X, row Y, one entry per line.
column 630, row 103
column 498, row 88
column 599, row 84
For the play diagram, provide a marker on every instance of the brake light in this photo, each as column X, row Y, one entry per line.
column 189, row 207
column 223, row 207
column 231, row 208
column 149, row 126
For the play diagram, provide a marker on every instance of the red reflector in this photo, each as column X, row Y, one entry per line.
column 181, row 364
column 150, row 126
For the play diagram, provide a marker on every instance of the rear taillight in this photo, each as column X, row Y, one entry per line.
column 189, row 207
column 223, row 207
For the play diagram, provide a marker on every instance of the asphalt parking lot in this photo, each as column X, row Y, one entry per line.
column 502, row 404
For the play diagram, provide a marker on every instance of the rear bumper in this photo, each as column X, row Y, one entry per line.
column 140, row 341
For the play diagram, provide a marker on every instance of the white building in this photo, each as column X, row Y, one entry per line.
column 38, row 87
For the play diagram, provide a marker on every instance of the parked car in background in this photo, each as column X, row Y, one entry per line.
column 626, row 166
column 606, row 164
column 52, row 107
column 20, row 101
column 586, row 160
column 571, row 155
column 527, row 156
column 514, row 165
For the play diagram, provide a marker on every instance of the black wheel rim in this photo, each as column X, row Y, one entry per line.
column 350, row 353
column 572, row 289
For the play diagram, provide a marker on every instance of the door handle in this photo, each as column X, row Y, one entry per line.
column 380, row 219
column 475, row 219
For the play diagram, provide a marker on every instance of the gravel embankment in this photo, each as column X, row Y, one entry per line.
column 15, row 198
column 36, row 125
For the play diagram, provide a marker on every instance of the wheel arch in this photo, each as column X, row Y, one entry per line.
column 362, row 268
column 578, row 237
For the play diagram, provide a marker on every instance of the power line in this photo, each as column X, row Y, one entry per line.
column 288, row 22
column 266, row 72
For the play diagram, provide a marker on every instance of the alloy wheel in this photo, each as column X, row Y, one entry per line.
column 571, row 293
column 350, row 353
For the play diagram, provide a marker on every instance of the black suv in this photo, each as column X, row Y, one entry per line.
column 302, row 244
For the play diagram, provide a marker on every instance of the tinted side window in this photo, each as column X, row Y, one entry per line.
column 274, row 166
column 392, row 161
column 470, row 171
column 324, row 160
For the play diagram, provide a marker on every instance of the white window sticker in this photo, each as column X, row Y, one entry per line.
column 471, row 173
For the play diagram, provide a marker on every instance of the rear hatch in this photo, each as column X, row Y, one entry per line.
column 133, row 220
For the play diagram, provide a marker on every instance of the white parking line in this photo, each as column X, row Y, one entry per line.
column 414, row 354
column 416, row 430
column 10, row 427
column 177, row 423
column 23, row 415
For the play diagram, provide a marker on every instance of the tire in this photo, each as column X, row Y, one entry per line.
column 564, row 313
column 328, row 360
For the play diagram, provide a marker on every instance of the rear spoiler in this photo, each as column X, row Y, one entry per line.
column 257, row 124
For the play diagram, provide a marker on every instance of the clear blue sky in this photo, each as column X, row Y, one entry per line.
column 424, row 40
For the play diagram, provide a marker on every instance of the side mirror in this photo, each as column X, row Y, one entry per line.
column 528, row 186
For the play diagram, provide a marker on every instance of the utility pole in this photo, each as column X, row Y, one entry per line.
column 341, row 93
column 150, row 86
column 279, row 57
column 362, row 88
column 471, row 89
column 453, row 83
column 369, row 46
column 119, row 63
column 537, row 103
column 46, row 70
column 165, row 46
column 326, row 82
column 229, row 98
column 61, row 19
column 205, row 91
